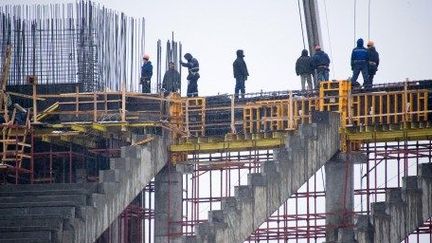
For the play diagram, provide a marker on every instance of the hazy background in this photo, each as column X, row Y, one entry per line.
column 270, row 34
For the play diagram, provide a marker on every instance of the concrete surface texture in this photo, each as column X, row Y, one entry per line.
column 79, row 212
column 404, row 210
column 306, row 150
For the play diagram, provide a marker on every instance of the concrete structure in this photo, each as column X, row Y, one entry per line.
column 339, row 177
column 306, row 150
column 79, row 212
column 404, row 210
column 169, row 198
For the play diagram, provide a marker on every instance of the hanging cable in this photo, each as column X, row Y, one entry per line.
column 369, row 18
column 355, row 19
column 329, row 39
column 301, row 24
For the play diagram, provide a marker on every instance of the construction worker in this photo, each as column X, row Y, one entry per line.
column 193, row 76
column 146, row 74
column 304, row 68
column 240, row 73
column 359, row 63
column 373, row 63
column 321, row 63
column 171, row 80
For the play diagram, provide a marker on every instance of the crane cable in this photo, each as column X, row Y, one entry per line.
column 329, row 39
column 301, row 24
column 355, row 18
column 369, row 18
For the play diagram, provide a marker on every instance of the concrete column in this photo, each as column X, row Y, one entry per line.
column 340, row 197
column 168, row 206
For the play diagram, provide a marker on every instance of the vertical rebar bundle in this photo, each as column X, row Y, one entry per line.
column 172, row 54
column 81, row 42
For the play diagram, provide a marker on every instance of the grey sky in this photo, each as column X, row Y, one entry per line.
column 270, row 34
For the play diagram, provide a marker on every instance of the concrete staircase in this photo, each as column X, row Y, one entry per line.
column 306, row 150
column 404, row 210
column 79, row 212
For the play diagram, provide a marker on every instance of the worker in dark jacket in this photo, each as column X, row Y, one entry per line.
column 171, row 80
column 359, row 63
column 321, row 63
column 304, row 68
column 240, row 73
column 146, row 74
column 372, row 64
column 193, row 75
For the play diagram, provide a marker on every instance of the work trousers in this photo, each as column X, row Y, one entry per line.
column 363, row 68
column 322, row 75
column 306, row 78
column 146, row 86
column 239, row 87
column 192, row 88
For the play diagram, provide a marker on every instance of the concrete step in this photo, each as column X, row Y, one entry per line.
column 79, row 199
column 29, row 236
column 47, row 193
column 32, row 223
column 404, row 210
column 304, row 153
column 66, row 212
column 41, row 204
column 119, row 185
column 45, row 187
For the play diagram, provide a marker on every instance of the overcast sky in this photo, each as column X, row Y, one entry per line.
column 270, row 34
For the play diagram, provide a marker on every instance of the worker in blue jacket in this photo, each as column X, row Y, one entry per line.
column 146, row 74
column 321, row 63
column 359, row 63
column 192, row 65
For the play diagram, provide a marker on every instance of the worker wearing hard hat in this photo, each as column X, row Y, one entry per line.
column 359, row 63
column 146, row 74
column 373, row 63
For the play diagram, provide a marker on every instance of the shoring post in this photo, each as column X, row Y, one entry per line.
column 77, row 100
column 94, row 107
column 123, row 110
column 290, row 111
column 32, row 156
column 233, row 129
column 187, row 117
column 406, row 104
column 34, row 96
column 123, row 106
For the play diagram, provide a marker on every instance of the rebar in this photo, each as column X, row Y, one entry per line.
column 80, row 42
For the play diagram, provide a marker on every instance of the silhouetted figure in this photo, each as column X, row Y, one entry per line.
column 171, row 80
column 240, row 73
column 193, row 76
column 304, row 68
column 372, row 64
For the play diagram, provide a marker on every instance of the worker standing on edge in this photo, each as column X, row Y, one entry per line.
column 146, row 74
column 359, row 63
column 321, row 63
column 240, row 73
column 171, row 80
column 304, row 68
column 193, row 76
column 372, row 64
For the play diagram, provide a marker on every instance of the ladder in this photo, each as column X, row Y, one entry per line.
column 15, row 142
